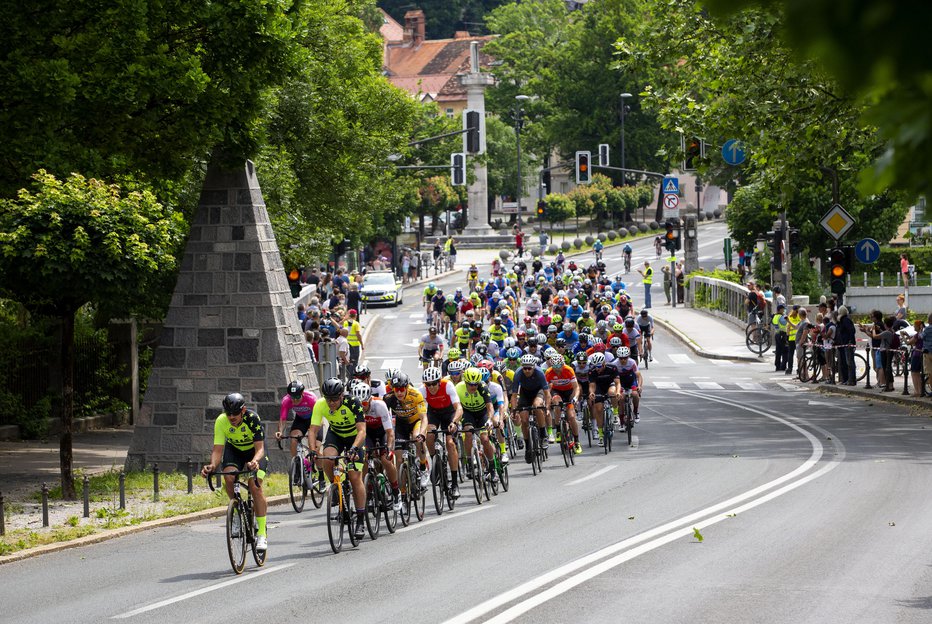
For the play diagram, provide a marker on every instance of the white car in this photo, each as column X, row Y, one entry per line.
column 380, row 287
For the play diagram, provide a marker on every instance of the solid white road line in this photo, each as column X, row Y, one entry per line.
column 204, row 590
column 680, row 358
column 654, row 538
column 447, row 515
column 390, row 316
column 597, row 473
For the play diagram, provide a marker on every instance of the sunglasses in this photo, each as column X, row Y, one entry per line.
column 432, row 384
column 527, row 368
column 400, row 389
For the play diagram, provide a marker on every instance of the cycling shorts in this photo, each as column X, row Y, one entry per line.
column 375, row 437
column 565, row 395
column 629, row 384
column 302, row 425
column 476, row 419
column 342, row 445
column 404, row 429
column 238, row 458
column 583, row 388
column 428, row 355
column 525, row 402
column 440, row 418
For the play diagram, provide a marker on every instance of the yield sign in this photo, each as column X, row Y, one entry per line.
column 671, row 201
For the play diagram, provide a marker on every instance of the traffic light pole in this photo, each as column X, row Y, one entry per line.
column 788, row 260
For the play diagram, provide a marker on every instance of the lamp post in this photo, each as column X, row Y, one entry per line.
column 624, row 174
column 519, row 122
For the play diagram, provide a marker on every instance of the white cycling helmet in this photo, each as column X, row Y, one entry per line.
column 556, row 360
column 596, row 360
column 509, row 343
column 361, row 391
column 432, row 374
column 528, row 360
column 624, row 352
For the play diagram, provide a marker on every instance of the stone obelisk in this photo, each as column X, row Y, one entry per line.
column 476, row 83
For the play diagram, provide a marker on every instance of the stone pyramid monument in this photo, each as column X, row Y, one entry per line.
column 231, row 327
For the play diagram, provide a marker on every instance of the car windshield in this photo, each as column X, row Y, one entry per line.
column 380, row 279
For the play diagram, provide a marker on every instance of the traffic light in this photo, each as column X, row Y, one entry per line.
column 471, row 125
column 776, row 249
column 294, row 283
column 458, row 169
column 583, row 172
column 671, row 239
column 603, row 154
column 795, row 242
column 693, row 152
column 541, row 210
column 838, row 270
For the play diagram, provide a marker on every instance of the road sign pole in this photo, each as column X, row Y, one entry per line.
column 788, row 260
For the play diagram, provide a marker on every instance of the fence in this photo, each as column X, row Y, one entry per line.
column 722, row 298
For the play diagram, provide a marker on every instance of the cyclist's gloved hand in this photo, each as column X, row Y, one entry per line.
column 355, row 452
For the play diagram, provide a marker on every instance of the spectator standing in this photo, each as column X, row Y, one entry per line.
column 778, row 297
column 904, row 270
column 353, row 300
column 792, row 325
column 780, row 343
column 873, row 331
column 667, row 279
column 353, row 337
column 803, row 331
column 405, row 266
column 343, row 352
column 680, row 278
column 901, row 310
column 915, row 356
column 828, row 341
column 845, row 336
column 415, row 263
column 648, row 278
column 519, row 242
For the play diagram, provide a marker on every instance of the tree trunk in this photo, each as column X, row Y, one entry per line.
column 67, row 411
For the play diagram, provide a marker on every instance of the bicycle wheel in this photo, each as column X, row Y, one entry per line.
column 388, row 507
column 352, row 518
column 318, row 488
column 629, row 418
column 437, row 484
column 565, row 449
column 406, row 485
column 510, row 436
column 236, row 535
column 464, row 459
column 489, row 487
column 533, row 441
column 606, row 429
column 336, row 519
column 373, row 506
column 587, row 422
column 758, row 341
column 897, row 363
column 476, row 472
column 257, row 555
column 448, row 485
column 860, row 366
column 297, row 489
column 572, row 442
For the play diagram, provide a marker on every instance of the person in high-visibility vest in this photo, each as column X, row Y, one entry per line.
column 779, row 323
column 792, row 324
column 648, row 278
column 353, row 337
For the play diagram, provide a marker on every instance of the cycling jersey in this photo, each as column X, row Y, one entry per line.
column 562, row 379
column 431, row 345
column 302, row 409
column 429, row 292
column 378, row 416
column 582, row 372
column 627, row 373
column 411, row 408
column 498, row 333
column 527, row 386
column 603, row 378
column 462, row 338
column 473, row 401
column 378, row 388
column 450, row 307
column 443, row 399
column 497, row 393
column 633, row 334
column 242, row 437
column 342, row 420
column 645, row 324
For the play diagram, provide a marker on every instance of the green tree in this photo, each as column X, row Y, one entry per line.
column 559, row 207
column 501, row 159
column 78, row 241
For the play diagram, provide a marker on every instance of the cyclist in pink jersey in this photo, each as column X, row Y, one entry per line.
column 301, row 402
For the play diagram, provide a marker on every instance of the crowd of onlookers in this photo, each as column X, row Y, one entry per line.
column 332, row 315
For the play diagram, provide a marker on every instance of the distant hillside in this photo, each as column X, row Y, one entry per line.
column 445, row 17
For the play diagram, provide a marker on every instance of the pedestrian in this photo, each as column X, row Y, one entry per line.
column 648, row 278
column 780, row 343
column 451, row 252
column 778, row 297
column 904, row 270
column 542, row 239
column 915, row 356
column 874, row 330
column 680, row 279
column 667, row 280
column 802, row 341
column 405, row 266
column 845, row 341
column 343, row 352
column 828, row 351
column 901, row 310
column 414, row 264
column 519, row 242
column 792, row 324
column 353, row 300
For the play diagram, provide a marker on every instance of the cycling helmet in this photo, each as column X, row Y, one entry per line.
column 614, row 341
column 457, row 367
column 561, row 293
column 477, row 324
column 528, row 360
column 568, row 327
column 486, row 374
column 552, row 329
column 431, row 286
column 362, row 371
column 389, row 374
column 624, row 352
column 574, row 301
column 505, row 313
column 597, row 341
column 459, row 289
column 602, row 324
column 400, row 380
column 431, row 374
column 439, row 291
column 556, row 360
column 581, row 357
column 454, row 354
column 332, row 388
column 587, row 281
column 561, row 342
column 557, row 319
column 629, row 321
column 234, row 403
column 481, row 348
column 501, row 367
column 485, row 336
column 617, row 327
column 485, row 364
column 597, row 360
column 466, row 324
column 361, row 391
column 296, row 390
column 531, row 332
column 584, row 338
column 508, row 343
column 475, row 357
column 513, row 353
column 472, row 375
column 644, row 312
column 541, row 339
column 432, row 329
column 535, row 297
column 520, row 334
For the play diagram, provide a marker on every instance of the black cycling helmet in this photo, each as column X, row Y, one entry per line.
column 233, row 403
column 400, row 380
column 362, row 371
column 332, row 388
column 582, row 357
column 561, row 342
column 643, row 311
column 296, row 390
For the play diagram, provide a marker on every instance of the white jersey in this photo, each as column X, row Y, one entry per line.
column 498, row 394
column 378, row 413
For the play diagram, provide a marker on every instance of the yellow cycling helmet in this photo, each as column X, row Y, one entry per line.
column 472, row 375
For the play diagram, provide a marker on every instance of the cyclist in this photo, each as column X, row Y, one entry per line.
column 301, row 402
column 453, row 354
column 472, row 280
column 477, row 413
column 444, row 411
column 435, row 314
column 380, row 431
column 597, row 248
column 408, row 406
column 463, row 336
column 626, row 252
column 603, row 386
column 239, row 444
column 347, row 434
column 562, row 380
column 430, row 349
column 645, row 323
column 629, row 378
column 634, row 337
column 530, row 391
column 450, row 312
column 429, row 291
column 363, row 373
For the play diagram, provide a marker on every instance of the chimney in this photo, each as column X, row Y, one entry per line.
column 414, row 27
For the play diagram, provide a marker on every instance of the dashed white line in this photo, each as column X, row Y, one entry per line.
column 597, row 473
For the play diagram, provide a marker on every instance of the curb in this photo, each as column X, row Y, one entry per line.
column 97, row 538
column 886, row 397
column 677, row 333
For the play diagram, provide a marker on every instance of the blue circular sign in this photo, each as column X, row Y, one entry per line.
column 867, row 251
column 733, row 152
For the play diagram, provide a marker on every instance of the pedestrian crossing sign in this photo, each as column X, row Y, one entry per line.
column 671, row 186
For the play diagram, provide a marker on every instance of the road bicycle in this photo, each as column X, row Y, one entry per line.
column 628, row 414
column 608, row 421
column 598, row 255
column 379, row 499
column 409, row 482
column 478, row 467
column 758, row 338
column 303, row 478
column 341, row 518
column 241, row 521
column 567, row 441
column 440, row 478
column 511, row 437
column 648, row 346
column 582, row 408
column 627, row 263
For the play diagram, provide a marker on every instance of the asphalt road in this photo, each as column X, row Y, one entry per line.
column 810, row 510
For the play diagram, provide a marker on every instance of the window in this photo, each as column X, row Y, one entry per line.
column 450, row 113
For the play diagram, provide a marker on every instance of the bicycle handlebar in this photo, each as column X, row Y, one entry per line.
column 232, row 473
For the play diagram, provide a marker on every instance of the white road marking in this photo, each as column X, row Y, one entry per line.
column 393, row 363
column 680, row 358
column 667, row 385
column 792, row 387
column 417, row 315
column 707, row 385
column 749, row 385
column 447, row 515
column 597, row 473
column 389, row 316
column 197, row 592
column 589, row 566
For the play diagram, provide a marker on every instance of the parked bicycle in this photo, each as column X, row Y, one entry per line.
column 240, row 521
column 758, row 335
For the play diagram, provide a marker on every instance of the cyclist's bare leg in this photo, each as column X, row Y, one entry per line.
column 453, row 457
column 260, row 506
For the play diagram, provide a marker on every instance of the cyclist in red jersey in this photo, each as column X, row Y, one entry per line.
column 565, row 390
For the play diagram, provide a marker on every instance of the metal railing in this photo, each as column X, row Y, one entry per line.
column 727, row 298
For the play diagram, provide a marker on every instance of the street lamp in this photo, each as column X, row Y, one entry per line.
column 624, row 174
column 519, row 121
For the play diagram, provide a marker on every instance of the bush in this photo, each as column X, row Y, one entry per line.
column 602, row 237
column 622, row 232
column 578, row 243
column 565, row 245
column 589, row 240
column 654, row 225
column 728, row 276
column 612, row 235
column 643, row 228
